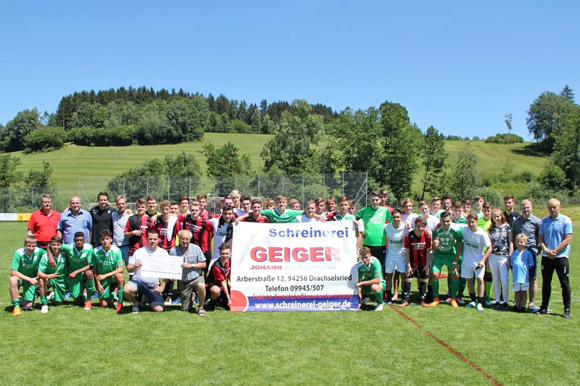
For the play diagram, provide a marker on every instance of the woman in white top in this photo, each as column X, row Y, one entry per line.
column 501, row 237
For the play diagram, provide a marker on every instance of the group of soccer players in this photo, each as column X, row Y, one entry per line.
column 473, row 240
column 477, row 243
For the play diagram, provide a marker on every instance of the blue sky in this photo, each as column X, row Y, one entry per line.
column 458, row 65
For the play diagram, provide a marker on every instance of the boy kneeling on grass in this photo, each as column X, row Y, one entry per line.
column 23, row 269
column 218, row 279
column 370, row 278
column 521, row 262
column 54, row 277
column 108, row 266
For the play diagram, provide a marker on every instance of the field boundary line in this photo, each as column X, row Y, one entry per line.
column 493, row 381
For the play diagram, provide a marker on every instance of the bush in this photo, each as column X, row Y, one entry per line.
column 553, row 177
column 83, row 136
column 525, row 176
column 44, row 139
column 538, row 192
column 504, row 139
column 490, row 195
column 112, row 136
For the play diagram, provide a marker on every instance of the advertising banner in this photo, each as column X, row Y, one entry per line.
column 294, row 267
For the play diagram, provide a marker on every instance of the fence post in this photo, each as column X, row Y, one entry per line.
column 303, row 188
column 214, row 196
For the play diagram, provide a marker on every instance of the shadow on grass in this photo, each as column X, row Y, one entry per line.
column 536, row 149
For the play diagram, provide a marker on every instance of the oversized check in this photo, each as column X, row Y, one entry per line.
column 294, row 267
column 168, row 267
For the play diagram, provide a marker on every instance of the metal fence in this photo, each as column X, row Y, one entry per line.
column 302, row 188
column 24, row 200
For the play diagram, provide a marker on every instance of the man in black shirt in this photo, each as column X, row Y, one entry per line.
column 102, row 216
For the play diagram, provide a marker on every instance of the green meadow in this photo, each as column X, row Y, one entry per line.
column 435, row 346
column 95, row 166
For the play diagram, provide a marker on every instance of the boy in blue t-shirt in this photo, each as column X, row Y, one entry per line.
column 521, row 261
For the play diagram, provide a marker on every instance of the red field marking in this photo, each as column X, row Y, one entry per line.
column 493, row 381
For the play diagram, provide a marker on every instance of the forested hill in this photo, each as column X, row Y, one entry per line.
column 302, row 138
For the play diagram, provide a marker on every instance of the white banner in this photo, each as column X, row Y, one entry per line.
column 168, row 267
column 294, row 267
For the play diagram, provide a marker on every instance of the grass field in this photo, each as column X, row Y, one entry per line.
column 72, row 346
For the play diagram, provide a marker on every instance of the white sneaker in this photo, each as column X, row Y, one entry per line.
column 479, row 307
column 50, row 296
column 167, row 301
column 448, row 300
column 44, row 308
column 379, row 307
column 470, row 304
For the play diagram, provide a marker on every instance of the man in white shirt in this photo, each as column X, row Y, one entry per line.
column 147, row 286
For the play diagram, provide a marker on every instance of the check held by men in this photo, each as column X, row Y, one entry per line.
column 162, row 267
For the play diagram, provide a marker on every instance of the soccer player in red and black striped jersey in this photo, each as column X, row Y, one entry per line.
column 256, row 216
column 196, row 224
column 183, row 205
column 152, row 207
column 218, row 280
column 137, row 227
column 418, row 246
column 202, row 200
column 245, row 205
column 167, row 229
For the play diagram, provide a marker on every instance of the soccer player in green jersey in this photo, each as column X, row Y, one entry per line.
column 78, row 257
column 343, row 207
column 108, row 266
column 457, row 216
column 374, row 219
column 370, row 278
column 54, row 277
column 280, row 214
column 23, row 269
column 447, row 247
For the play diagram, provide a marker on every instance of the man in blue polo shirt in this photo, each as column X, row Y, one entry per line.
column 74, row 220
column 555, row 238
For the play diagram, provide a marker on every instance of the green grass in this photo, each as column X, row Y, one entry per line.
column 95, row 166
column 72, row 346
column 74, row 162
column 492, row 157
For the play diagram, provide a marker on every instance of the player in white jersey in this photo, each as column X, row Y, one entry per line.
column 395, row 235
column 475, row 240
